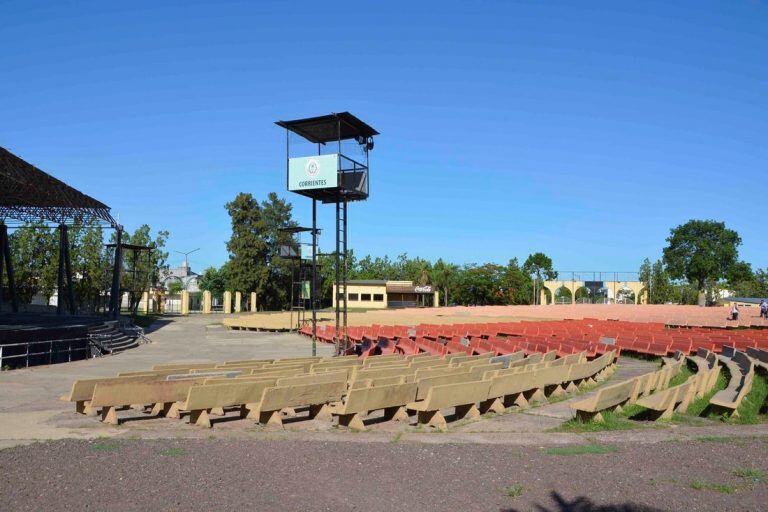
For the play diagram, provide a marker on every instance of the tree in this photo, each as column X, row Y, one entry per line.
column 254, row 261
column 444, row 277
column 175, row 287
column 141, row 271
column 540, row 265
column 248, row 252
column 277, row 216
column 214, row 281
column 35, row 256
column 518, row 283
column 701, row 251
column 657, row 284
column 90, row 265
column 480, row 285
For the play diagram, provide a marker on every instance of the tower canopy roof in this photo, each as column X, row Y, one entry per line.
column 322, row 129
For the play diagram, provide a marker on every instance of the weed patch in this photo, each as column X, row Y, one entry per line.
column 106, row 445
column 173, row 452
column 586, row 449
column 755, row 476
column 611, row 421
column 514, row 491
column 708, row 486
column 714, row 439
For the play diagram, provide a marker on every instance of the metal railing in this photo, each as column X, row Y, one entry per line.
column 52, row 352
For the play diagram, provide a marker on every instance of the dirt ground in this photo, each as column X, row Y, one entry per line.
column 663, row 313
column 56, row 459
column 206, row 474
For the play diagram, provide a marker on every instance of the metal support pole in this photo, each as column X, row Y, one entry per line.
column 60, row 274
column 344, row 276
column 313, row 283
column 68, row 270
column 2, row 258
column 6, row 248
column 114, row 298
column 338, row 277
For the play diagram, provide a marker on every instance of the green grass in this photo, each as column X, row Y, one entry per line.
column 755, row 476
column 397, row 437
column 514, row 491
column 681, row 377
column 751, row 409
column 106, row 445
column 611, row 421
column 714, row 439
column 709, row 486
column 699, row 406
column 585, row 449
column 173, row 452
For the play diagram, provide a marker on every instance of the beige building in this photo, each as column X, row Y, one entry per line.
column 627, row 292
column 382, row 294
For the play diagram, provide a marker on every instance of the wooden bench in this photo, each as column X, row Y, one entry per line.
column 508, row 359
column 507, row 389
column 582, row 375
column 360, row 401
column 650, row 382
column 759, row 358
column 462, row 396
column 381, row 381
column 676, row 398
column 183, row 366
column 611, row 397
column 310, row 393
column 201, row 400
column 82, row 390
column 438, row 371
column 424, row 385
column 375, row 373
column 740, row 384
column 247, row 361
column 386, row 357
column 162, row 395
column 708, row 368
column 390, row 363
column 214, row 397
column 531, row 359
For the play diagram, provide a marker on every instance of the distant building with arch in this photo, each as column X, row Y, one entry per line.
column 605, row 287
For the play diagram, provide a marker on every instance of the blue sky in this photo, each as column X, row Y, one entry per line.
column 582, row 129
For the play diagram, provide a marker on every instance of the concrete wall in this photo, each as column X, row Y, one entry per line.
column 364, row 289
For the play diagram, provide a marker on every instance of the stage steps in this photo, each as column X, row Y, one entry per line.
column 111, row 340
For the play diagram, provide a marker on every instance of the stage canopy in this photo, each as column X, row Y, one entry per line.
column 28, row 194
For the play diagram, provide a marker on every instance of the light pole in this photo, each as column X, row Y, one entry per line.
column 186, row 255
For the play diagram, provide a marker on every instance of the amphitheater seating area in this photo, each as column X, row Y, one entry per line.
column 346, row 387
column 563, row 336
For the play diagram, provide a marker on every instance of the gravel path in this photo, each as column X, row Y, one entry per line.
column 230, row 474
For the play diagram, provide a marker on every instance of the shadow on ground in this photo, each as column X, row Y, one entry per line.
column 157, row 325
column 584, row 504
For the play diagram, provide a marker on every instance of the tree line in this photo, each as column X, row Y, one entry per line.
column 259, row 228
column 35, row 256
column 701, row 258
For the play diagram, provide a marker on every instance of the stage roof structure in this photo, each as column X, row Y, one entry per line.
column 28, row 194
column 329, row 128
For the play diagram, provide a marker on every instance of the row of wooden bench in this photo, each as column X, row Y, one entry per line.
column 651, row 391
column 346, row 387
